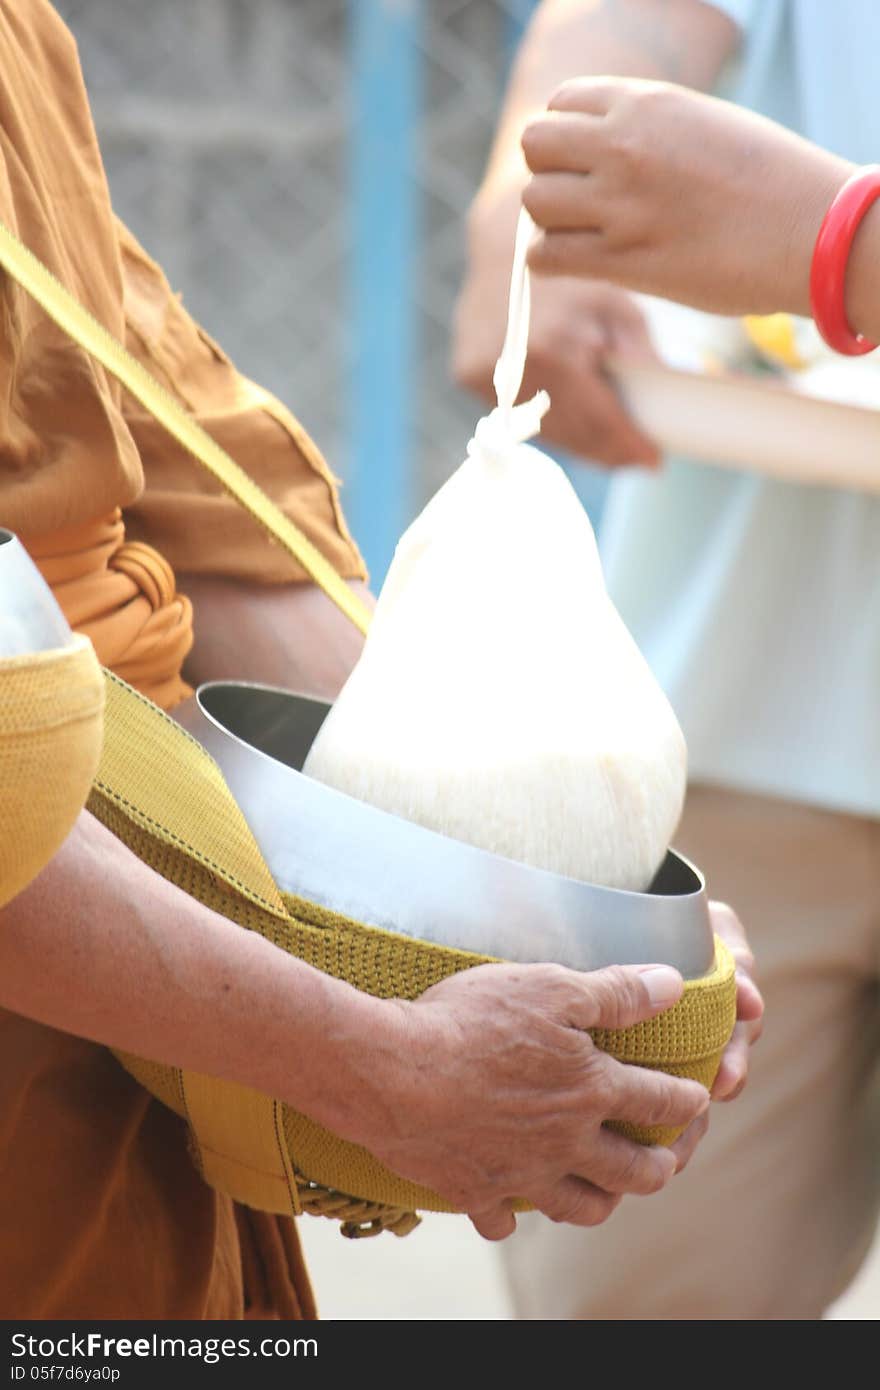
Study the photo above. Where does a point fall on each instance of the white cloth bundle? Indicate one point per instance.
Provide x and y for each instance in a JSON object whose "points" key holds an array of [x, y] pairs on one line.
{"points": [[499, 698]]}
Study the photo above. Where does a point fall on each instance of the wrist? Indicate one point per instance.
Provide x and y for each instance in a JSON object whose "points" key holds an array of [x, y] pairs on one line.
{"points": [[830, 285], [339, 1056], [828, 176]]}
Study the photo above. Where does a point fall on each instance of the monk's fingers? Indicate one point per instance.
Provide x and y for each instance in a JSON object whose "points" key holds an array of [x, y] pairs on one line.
{"points": [[619, 1165], [619, 996], [646, 1097], [685, 1145], [727, 925], [561, 142], [494, 1223], [575, 1202], [734, 1068], [749, 1005]]}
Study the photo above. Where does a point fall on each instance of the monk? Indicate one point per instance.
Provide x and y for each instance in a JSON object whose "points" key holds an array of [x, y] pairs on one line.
{"points": [[102, 1213]]}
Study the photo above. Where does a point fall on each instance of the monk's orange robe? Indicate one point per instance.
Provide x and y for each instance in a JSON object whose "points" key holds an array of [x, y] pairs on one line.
{"points": [[102, 1214]]}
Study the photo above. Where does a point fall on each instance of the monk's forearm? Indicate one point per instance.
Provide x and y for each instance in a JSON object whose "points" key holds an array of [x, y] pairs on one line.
{"points": [[682, 41], [290, 635], [443, 1090], [102, 947]]}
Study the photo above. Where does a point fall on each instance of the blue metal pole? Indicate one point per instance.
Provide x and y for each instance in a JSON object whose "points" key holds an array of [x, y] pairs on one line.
{"points": [[386, 85]]}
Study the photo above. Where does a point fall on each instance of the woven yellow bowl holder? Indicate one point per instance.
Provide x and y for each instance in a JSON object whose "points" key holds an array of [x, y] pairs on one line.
{"points": [[163, 796], [50, 742]]}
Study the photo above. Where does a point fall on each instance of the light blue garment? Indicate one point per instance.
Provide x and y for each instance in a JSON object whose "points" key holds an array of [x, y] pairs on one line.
{"points": [[757, 603]]}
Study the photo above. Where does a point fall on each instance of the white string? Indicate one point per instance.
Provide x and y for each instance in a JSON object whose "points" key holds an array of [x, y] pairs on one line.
{"points": [[510, 424]]}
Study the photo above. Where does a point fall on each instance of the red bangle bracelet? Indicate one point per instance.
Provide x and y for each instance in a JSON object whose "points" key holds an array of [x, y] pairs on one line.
{"points": [[830, 259]]}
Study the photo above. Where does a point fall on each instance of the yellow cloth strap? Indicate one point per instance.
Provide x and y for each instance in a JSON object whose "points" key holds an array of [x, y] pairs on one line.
{"points": [[70, 315], [241, 1143], [164, 796]]}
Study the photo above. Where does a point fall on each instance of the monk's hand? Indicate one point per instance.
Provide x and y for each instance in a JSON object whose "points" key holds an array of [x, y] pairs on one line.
{"points": [[734, 1067], [575, 328], [678, 194], [501, 1093]]}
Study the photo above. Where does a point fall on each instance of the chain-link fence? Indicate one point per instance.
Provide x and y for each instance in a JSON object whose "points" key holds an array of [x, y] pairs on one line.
{"points": [[229, 131]]}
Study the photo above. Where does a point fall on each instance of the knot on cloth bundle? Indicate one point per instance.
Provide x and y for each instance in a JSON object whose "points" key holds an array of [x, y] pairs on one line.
{"points": [[510, 424]]}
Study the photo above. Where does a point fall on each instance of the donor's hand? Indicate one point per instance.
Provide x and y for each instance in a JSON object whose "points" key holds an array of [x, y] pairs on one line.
{"points": [[677, 194]]}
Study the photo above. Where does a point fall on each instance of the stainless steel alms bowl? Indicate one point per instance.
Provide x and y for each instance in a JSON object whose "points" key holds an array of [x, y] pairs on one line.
{"points": [[388, 872], [30, 619], [378, 868]]}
